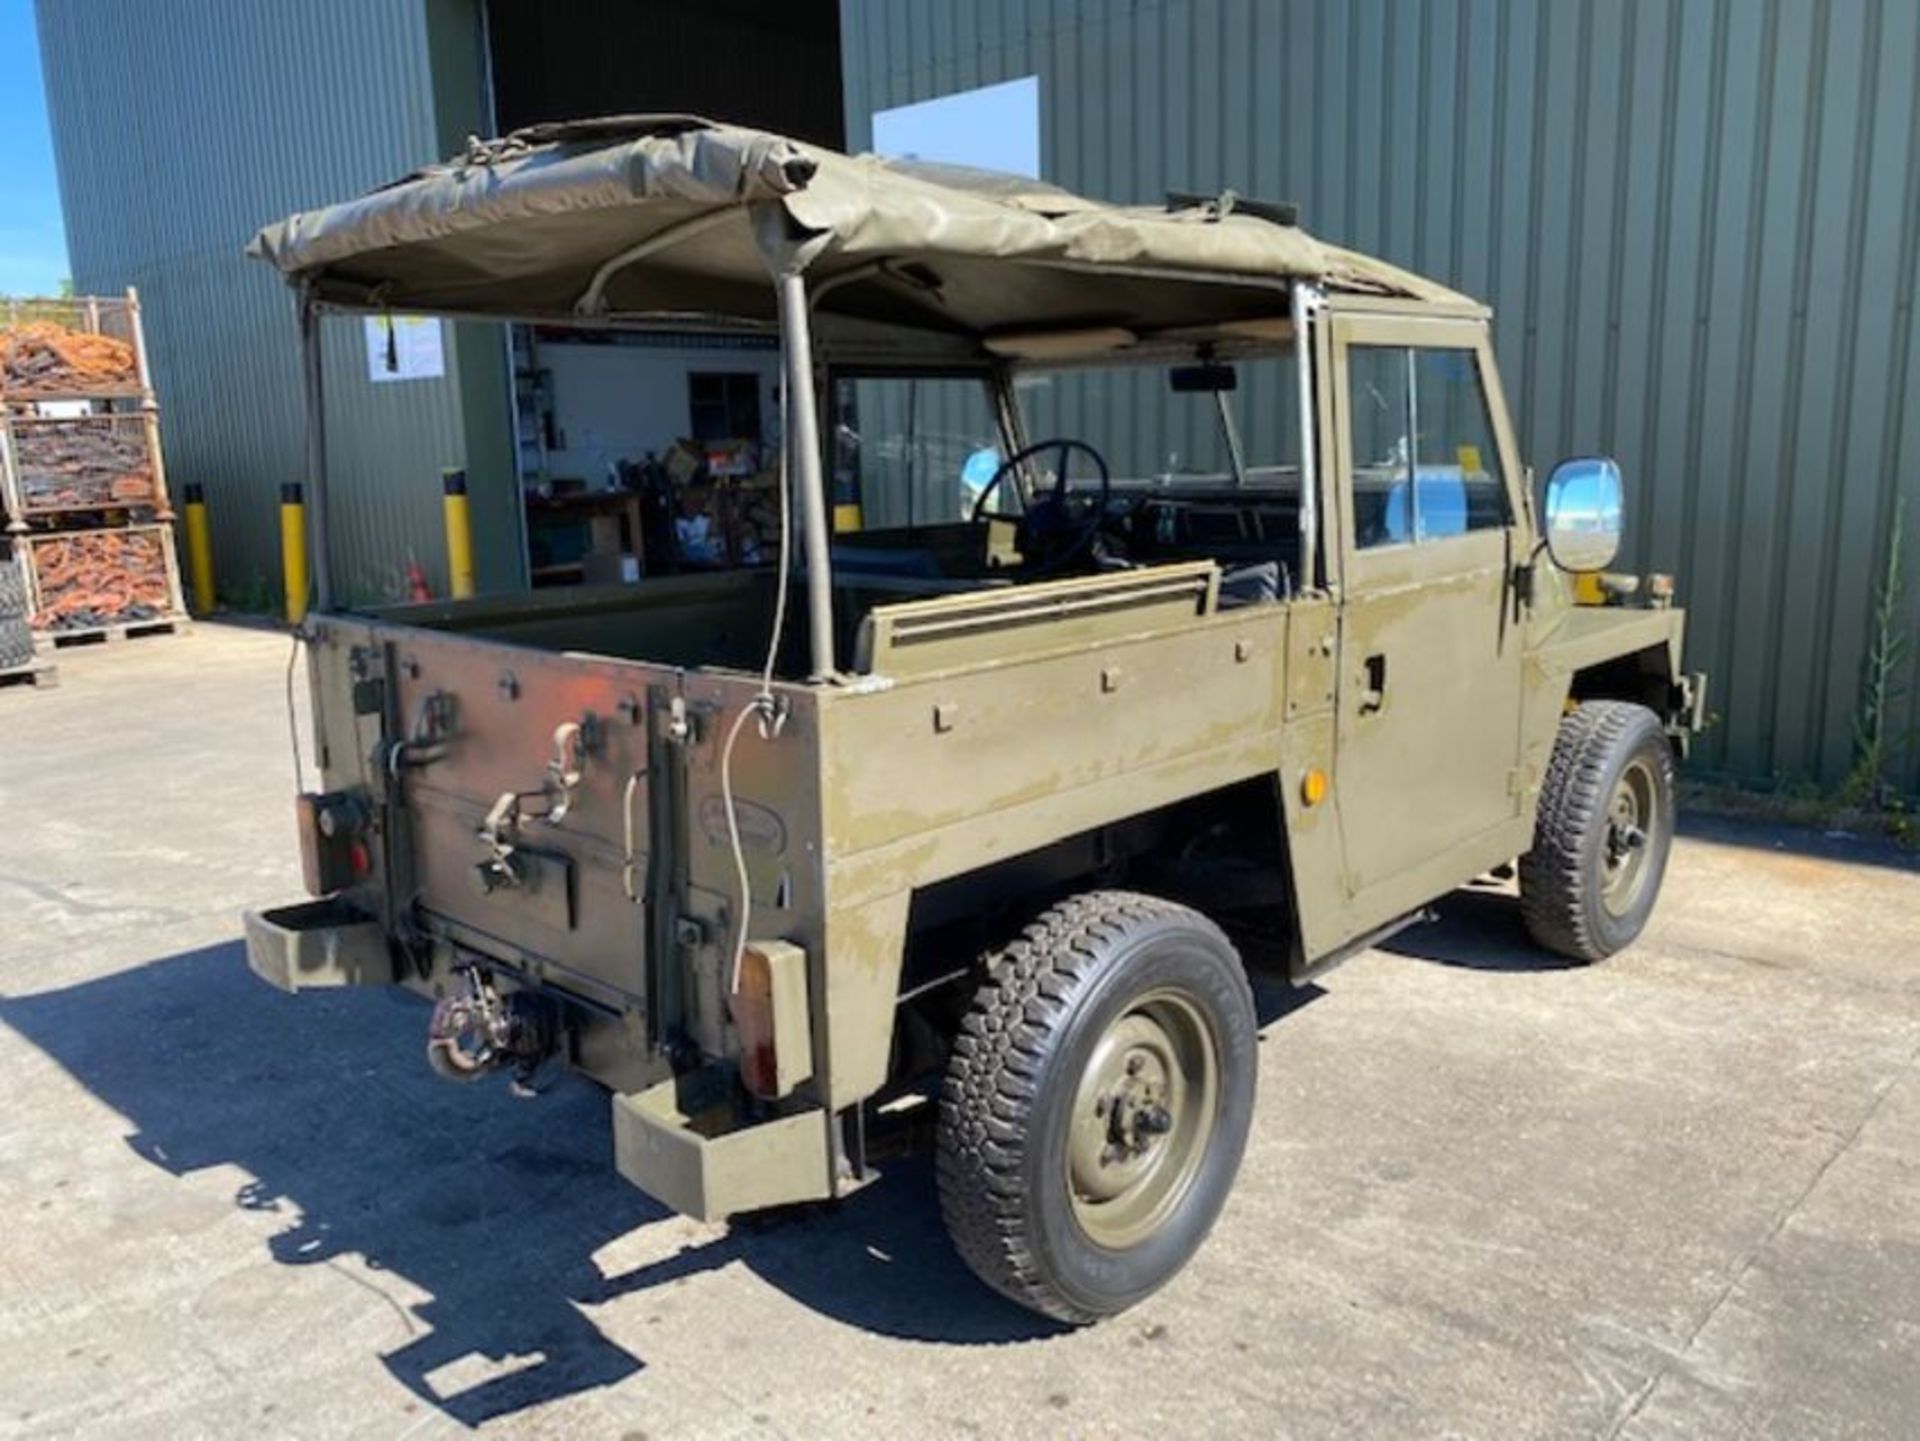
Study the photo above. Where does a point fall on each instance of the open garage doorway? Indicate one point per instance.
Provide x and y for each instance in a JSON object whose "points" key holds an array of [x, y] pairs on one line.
{"points": [[653, 454]]}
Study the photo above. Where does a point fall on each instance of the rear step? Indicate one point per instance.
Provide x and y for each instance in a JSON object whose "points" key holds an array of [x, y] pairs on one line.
{"points": [[316, 944]]}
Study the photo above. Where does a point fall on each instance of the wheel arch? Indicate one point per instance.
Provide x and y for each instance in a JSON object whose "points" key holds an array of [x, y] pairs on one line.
{"points": [[1224, 850], [1648, 677]]}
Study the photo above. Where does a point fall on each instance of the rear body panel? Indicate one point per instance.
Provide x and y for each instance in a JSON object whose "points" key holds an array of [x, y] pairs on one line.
{"points": [[581, 904]]}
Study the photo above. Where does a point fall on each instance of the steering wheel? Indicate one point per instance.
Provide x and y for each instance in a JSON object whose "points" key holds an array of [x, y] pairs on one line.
{"points": [[1055, 516]]}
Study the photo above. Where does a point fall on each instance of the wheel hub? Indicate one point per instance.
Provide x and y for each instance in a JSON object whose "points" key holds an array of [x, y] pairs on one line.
{"points": [[1142, 1115], [1136, 1111], [1630, 816]]}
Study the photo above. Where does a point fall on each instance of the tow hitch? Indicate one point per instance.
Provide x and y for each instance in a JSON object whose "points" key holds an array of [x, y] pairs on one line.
{"points": [[476, 1030]]}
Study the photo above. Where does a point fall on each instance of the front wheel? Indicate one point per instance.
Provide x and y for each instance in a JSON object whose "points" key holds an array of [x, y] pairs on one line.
{"points": [[1604, 828], [1097, 1104]]}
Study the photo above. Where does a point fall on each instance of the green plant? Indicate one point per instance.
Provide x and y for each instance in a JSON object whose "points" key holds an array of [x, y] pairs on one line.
{"points": [[253, 596], [1866, 784]]}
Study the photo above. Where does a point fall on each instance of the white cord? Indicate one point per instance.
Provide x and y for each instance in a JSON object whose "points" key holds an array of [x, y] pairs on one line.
{"points": [[733, 840], [765, 705], [293, 719]]}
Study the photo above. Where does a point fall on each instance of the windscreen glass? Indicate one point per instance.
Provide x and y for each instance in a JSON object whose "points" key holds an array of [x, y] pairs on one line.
{"points": [[1154, 434]]}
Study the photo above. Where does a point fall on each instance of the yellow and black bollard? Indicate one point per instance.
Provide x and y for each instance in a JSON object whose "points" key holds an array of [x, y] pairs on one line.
{"points": [[199, 549], [453, 485], [293, 549]]}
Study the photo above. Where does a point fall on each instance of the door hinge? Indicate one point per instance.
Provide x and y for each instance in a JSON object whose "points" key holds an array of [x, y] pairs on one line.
{"points": [[679, 726]]}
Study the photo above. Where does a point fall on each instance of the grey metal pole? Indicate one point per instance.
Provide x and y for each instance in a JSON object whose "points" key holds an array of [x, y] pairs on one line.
{"points": [[1235, 456], [1414, 527], [322, 560], [803, 469], [1309, 467]]}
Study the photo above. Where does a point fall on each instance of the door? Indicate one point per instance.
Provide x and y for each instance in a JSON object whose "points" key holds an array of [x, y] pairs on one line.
{"points": [[1428, 738]]}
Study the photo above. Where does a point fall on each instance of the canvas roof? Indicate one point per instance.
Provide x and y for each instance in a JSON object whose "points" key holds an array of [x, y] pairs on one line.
{"points": [[653, 218]]}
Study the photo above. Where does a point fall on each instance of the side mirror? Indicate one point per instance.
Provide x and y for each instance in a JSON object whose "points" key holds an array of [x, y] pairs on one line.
{"points": [[1583, 513]]}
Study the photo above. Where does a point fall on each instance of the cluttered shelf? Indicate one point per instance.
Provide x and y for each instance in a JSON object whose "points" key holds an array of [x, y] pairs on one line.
{"points": [[701, 506]]}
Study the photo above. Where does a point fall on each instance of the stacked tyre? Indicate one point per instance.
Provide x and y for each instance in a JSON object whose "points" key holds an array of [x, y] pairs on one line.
{"points": [[16, 637]]}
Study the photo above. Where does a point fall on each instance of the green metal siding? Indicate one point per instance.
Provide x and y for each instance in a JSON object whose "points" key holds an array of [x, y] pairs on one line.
{"points": [[1696, 221], [179, 129]]}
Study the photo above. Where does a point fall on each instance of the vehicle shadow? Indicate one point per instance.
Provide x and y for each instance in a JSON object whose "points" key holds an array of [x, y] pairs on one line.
{"points": [[1479, 928], [493, 1207]]}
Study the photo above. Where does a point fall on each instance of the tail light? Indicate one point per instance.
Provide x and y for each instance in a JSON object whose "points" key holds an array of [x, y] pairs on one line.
{"points": [[770, 1013], [333, 847]]}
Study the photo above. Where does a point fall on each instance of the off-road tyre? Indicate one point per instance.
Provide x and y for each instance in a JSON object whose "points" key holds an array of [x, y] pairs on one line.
{"points": [[1024, 1056], [1571, 892], [13, 591], [16, 642]]}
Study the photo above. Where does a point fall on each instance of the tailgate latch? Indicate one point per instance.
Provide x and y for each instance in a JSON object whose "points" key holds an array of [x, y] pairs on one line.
{"points": [[573, 741], [433, 728]]}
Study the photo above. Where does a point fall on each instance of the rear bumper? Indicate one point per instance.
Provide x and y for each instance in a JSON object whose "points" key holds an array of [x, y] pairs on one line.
{"points": [[312, 944], [665, 1143]]}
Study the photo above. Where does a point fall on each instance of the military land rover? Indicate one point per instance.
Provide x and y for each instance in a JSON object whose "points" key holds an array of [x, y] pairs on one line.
{"points": [[1199, 615]]}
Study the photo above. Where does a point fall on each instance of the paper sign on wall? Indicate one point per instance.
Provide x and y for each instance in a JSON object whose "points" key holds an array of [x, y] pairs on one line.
{"points": [[404, 347]]}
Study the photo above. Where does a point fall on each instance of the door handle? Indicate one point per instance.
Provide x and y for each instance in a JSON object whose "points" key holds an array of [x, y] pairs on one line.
{"points": [[1373, 695]]}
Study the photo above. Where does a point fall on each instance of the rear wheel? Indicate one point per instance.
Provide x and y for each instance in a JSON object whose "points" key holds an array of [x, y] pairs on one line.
{"points": [[1097, 1104], [1605, 826]]}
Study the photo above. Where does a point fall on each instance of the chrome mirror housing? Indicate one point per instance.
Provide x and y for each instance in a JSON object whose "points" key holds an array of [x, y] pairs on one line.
{"points": [[1583, 513]]}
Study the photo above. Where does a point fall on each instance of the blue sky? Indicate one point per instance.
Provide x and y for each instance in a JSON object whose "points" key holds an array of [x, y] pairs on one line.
{"points": [[33, 247], [996, 127]]}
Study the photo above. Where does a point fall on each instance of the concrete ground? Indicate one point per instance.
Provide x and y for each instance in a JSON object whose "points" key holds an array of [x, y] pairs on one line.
{"points": [[1487, 1195]]}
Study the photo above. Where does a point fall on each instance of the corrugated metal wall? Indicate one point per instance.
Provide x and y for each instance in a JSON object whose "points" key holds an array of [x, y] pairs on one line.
{"points": [[1696, 220], [179, 129]]}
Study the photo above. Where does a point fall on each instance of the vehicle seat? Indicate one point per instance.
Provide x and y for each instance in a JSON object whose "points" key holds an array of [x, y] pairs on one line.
{"points": [[1254, 584]]}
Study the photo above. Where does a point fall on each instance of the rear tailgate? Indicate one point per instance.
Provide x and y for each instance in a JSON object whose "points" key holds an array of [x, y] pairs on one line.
{"points": [[525, 803]]}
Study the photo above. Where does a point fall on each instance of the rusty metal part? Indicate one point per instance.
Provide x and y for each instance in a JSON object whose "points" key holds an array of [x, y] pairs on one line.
{"points": [[101, 578], [87, 462], [42, 357], [476, 1030]]}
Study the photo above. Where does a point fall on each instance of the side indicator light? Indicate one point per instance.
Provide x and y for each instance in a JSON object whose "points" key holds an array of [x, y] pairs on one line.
{"points": [[1313, 786]]}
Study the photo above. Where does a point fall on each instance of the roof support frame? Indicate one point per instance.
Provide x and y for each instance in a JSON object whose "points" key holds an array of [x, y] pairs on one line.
{"points": [[1307, 303], [804, 471], [314, 375], [593, 300]]}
